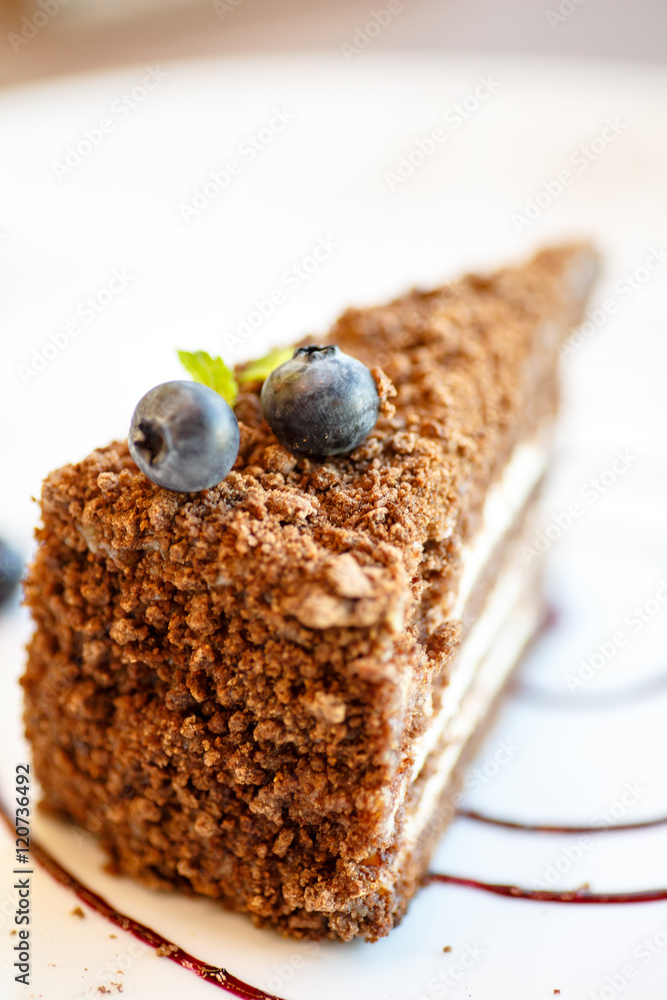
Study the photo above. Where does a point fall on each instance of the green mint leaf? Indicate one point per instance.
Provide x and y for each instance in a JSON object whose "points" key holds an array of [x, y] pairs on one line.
{"points": [[257, 371], [212, 372]]}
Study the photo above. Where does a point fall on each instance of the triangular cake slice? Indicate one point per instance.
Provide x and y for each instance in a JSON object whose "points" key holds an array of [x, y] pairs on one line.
{"points": [[267, 692]]}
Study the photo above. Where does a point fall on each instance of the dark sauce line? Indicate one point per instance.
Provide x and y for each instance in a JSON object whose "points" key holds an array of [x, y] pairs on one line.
{"points": [[550, 896], [552, 828], [167, 949]]}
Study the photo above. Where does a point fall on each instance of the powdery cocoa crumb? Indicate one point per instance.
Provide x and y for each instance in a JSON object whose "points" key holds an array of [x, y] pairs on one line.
{"points": [[279, 459], [108, 481], [386, 391], [162, 509]]}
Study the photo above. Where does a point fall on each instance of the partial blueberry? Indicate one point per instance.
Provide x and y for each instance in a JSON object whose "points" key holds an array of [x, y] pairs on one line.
{"points": [[321, 402], [11, 571], [184, 436]]}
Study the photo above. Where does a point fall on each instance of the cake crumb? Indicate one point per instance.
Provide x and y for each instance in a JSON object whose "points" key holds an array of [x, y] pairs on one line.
{"points": [[386, 391], [13, 931], [166, 949], [113, 935], [77, 912], [447, 948], [119, 987], [108, 481], [103, 989]]}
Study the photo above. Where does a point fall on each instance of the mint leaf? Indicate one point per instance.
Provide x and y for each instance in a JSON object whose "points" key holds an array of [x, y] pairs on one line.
{"points": [[212, 372], [257, 371]]}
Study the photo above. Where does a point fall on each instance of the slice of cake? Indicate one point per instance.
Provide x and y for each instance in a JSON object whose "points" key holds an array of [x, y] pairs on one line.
{"points": [[267, 692]]}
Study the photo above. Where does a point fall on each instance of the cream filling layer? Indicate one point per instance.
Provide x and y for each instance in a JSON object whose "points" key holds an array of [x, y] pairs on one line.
{"points": [[507, 645], [504, 503], [476, 648], [521, 475]]}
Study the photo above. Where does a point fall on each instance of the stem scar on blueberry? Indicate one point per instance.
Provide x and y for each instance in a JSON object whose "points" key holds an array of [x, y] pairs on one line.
{"points": [[316, 351], [321, 402], [150, 441]]}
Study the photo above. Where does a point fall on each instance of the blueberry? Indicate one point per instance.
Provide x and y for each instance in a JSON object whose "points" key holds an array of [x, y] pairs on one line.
{"points": [[184, 436], [10, 572], [321, 402]]}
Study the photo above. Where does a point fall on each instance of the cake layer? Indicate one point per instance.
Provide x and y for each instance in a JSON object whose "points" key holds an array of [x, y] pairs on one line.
{"points": [[514, 612], [444, 780], [507, 506], [228, 686], [524, 470]]}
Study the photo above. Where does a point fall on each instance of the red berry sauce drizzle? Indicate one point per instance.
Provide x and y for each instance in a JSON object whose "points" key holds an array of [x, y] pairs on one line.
{"points": [[510, 824], [548, 895], [224, 980]]}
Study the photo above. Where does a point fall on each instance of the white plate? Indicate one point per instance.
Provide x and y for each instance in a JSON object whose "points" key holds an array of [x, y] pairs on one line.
{"points": [[323, 180]]}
